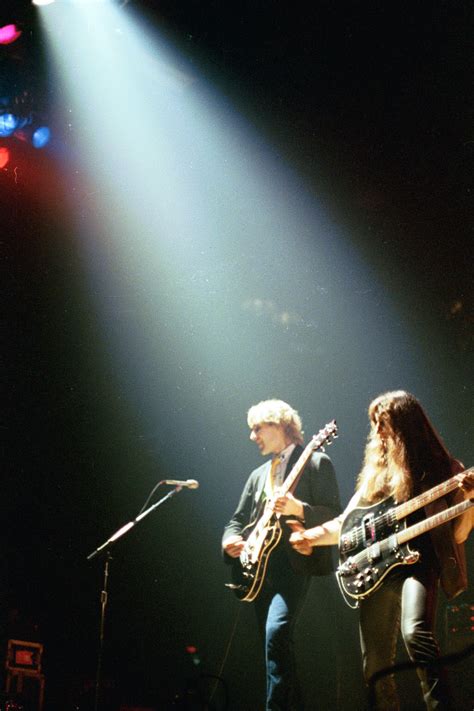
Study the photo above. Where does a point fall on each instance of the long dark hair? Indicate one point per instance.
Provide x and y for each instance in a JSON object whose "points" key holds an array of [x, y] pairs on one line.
{"points": [[404, 453]]}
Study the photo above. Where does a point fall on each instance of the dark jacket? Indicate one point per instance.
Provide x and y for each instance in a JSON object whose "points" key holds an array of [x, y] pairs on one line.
{"points": [[317, 489], [450, 554]]}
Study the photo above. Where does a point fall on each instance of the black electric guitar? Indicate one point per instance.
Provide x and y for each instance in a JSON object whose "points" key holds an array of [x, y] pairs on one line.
{"points": [[374, 539], [263, 535]]}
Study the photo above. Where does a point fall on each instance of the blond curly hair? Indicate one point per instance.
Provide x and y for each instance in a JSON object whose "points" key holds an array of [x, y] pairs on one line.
{"points": [[277, 412]]}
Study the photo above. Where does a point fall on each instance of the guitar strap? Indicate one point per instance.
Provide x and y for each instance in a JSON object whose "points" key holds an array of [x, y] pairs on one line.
{"points": [[271, 479]]}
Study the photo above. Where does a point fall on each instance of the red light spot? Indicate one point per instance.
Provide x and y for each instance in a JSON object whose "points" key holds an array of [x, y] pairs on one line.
{"points": [[4, 156], [9, 34], [24, 657], [190, 649]]}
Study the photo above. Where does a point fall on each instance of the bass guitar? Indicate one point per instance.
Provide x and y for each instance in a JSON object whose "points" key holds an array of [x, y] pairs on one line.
{"points": [[374, 539], [263, 535]]}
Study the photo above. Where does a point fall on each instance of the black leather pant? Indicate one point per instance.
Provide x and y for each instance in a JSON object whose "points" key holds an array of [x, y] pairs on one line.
{"points": [[406, 603]]}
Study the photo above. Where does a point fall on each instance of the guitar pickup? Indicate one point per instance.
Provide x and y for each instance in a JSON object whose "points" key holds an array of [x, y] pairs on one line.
{"points": [[373, 553], [368, 528]]}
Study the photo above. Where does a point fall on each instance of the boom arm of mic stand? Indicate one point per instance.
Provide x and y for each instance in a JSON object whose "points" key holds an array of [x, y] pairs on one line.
{"points": [[124, 529]]}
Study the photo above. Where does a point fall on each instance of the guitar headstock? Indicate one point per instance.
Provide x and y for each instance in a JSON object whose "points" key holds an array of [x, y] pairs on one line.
{"points": [[325, 436]]}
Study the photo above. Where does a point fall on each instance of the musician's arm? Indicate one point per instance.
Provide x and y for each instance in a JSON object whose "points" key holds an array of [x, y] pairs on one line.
{"points": [[463, 525], [232, 541], [327, 534], [324, 534], [323, 501]]}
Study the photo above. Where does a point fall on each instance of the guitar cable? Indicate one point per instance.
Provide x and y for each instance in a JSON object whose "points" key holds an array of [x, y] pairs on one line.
{"points": [[226, 653]]}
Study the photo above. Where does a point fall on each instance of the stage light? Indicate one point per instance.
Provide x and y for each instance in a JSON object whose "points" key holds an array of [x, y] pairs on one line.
{"points": [[4, 156], [38, 137], [41, 137], [39, 3], [9, 33], [8, 124]]}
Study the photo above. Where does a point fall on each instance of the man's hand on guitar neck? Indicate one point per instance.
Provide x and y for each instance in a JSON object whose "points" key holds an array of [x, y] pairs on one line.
{"points": [[466, 482], [233, 546], [287, 505]]}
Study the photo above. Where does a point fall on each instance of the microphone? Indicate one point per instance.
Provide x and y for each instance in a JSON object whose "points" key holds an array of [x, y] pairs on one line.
{"points": [[189, 483]]}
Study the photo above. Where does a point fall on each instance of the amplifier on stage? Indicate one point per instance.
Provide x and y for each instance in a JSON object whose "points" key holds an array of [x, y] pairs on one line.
{"points": [[460, 618], [23, 667], [459, 628], [24, 656], [459, 625]]}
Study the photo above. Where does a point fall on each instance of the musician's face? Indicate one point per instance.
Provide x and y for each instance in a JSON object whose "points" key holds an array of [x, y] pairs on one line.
{"points": [[269, 438]]}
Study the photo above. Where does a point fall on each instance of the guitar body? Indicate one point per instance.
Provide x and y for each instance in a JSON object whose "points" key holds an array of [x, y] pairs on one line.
{"points": [[369, 548], [374, 539], [248, 571]]}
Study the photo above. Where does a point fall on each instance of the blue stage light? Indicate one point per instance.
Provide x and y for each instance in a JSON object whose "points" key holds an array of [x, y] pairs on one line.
{"points": [[41, 137], [8, 124]]}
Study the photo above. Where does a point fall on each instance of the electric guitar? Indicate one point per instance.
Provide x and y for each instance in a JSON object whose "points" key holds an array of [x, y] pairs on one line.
{"points": [[263, 535], [374, 539]]}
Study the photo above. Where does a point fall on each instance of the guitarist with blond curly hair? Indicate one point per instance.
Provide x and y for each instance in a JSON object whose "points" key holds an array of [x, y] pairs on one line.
{"points": [[297, 483]]}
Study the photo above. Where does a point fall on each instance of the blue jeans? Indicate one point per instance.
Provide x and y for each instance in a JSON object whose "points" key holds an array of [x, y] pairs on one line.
{"points": [[277, 608]]}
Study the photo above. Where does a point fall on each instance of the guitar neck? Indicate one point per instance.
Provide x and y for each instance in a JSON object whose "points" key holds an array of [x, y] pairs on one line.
{"points": [[290, 481], [293, 477], [427, 524], [427, 497]]}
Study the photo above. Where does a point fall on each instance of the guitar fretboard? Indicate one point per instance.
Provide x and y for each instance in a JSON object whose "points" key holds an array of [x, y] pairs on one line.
{"points": [[316, 443], [427, 497], [428, 523]]}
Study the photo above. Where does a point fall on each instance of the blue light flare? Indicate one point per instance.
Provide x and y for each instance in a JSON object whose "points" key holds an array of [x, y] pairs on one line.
{"points": [[8, 125], [41, 137]]}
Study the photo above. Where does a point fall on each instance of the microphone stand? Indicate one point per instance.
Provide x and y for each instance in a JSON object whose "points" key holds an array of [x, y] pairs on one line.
{"points": [[104, 594]]}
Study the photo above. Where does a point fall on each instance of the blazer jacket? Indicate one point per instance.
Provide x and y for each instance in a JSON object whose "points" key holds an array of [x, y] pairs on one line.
{"points": [[317, 489]]}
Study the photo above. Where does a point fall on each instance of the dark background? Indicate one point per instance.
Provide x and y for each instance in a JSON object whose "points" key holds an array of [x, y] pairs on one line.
{"points": [[372, 106]]}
